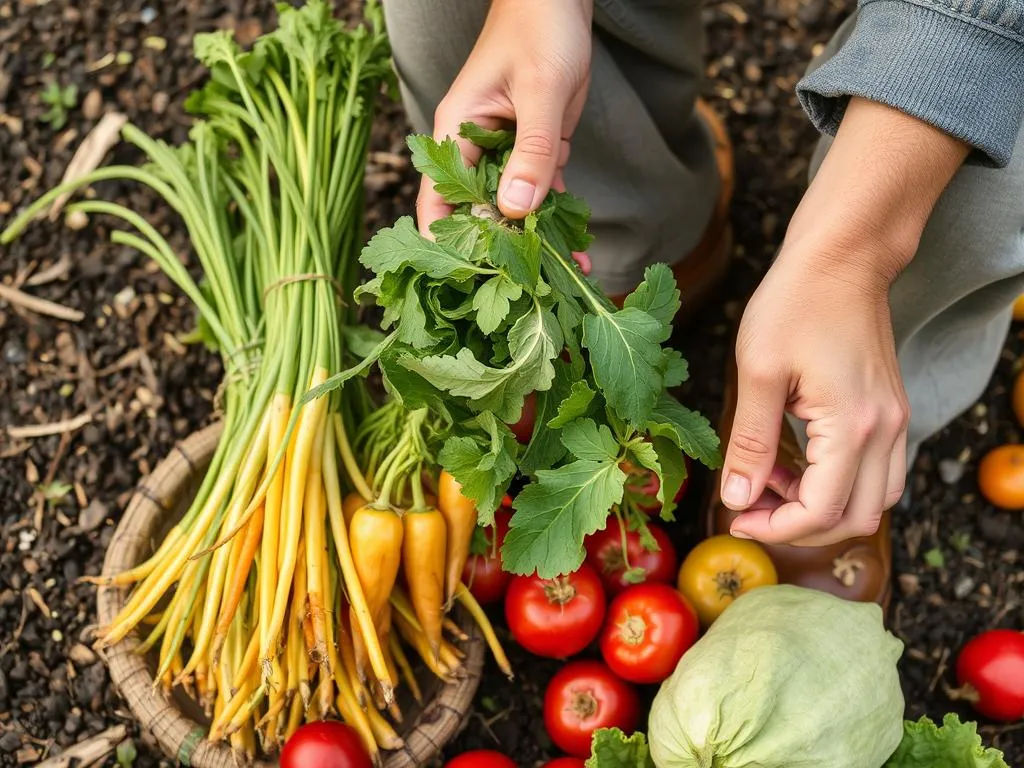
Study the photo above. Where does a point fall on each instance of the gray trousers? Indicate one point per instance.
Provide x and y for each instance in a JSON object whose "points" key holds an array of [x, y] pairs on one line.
{"points": [[643, 161]]}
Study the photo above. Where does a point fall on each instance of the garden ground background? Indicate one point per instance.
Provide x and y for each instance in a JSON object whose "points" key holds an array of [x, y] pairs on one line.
{"points": [[957, 559]]}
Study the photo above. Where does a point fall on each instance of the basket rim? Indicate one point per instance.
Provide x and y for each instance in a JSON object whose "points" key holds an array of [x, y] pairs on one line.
{"points": [[182, 738]]}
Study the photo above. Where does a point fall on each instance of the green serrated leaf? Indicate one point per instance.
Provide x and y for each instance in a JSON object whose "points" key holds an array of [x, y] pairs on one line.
{"points": [[491, 302], [611, 748], [575, 405], [672, 474], [554, 514], [562, 221], [463, 234], [483, 467], [395, 248], [676, 369], [453, 179], [584, 439], [545, 448], [625, 353], [534, 341], [412, 327], [952, 745], [498, 140], [687, 429], [517, 253], [657, 295]]}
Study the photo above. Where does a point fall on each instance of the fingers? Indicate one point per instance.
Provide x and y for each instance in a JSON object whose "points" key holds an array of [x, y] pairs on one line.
{"points": [[846, 488], [824, 491], [535, 156], [754, 439], [897, 479]]}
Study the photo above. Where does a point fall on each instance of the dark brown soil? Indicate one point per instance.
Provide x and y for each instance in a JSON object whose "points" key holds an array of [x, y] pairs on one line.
{"points": [[124, 365]]}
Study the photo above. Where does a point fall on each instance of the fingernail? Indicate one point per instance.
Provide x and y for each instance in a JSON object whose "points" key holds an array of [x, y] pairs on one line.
{"points": [[740, 535], [736, 491], [519, 195]]}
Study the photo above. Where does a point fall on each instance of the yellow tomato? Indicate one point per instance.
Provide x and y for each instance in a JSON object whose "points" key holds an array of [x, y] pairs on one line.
{"points": [[1018, 308], [720, 569]]}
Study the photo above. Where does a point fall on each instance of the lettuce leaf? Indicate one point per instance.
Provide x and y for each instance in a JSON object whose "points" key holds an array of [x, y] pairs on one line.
{"points": [[953, 745], [611, 748]]}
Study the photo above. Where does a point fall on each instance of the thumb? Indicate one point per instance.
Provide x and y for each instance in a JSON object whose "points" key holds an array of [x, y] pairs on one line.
{"points": [[754, 438], [535, 158]]}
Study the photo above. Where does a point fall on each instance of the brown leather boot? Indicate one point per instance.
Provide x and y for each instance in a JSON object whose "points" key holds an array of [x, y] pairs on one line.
{"points": [[702, 269], [859, 569]]}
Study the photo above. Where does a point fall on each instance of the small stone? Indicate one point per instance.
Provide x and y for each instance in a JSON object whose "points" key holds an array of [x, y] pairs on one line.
{"points": [[92, 517], [124, 297], [160, 102], [950, 470], [14, 352], [147, 15], [76, 220], [74, 722], [92, 105], [82, 655], [910, 584], [963, 587]]}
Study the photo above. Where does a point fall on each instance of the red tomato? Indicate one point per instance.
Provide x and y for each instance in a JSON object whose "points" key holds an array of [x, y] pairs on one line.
{"points": [[557, 617], [566, 762], [481, 758], [523, 429], [992, 664], [483, 573], [325, 744], [604, 554], [649, 628], [582, 697]]}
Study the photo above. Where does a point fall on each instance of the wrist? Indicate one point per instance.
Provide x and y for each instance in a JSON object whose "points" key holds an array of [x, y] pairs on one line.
{"points": [[874, 193]]}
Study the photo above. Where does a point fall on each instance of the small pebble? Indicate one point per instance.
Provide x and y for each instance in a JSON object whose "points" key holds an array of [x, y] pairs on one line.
{"points": [[14, 352], [964, 586], [950, 470], [92, 105], [160, 102], [76, 220], [147, 15], [82, 655]]}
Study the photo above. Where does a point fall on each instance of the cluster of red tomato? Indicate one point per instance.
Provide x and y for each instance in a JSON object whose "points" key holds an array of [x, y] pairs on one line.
{"points": [[642, 629]]}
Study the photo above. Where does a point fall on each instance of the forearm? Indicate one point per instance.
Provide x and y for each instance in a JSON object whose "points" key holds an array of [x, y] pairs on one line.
{"points": [[871, 198]]}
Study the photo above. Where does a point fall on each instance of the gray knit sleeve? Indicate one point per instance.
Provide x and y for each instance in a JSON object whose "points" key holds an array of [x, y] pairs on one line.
{"points": [[957, 64]]}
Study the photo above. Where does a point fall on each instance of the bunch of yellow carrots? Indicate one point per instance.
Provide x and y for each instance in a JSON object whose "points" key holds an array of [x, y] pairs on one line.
{"points": [[308, 565]]}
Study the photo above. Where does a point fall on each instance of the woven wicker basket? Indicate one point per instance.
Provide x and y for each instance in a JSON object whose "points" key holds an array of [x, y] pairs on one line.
{"points": [[176, 723]]}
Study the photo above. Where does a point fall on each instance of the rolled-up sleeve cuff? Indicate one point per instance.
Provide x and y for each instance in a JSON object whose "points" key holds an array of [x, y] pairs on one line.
{"points": [[962, 75]]}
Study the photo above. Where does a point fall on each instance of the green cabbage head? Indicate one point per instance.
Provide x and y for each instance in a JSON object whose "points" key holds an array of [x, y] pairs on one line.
{"points": [[786, 677]]}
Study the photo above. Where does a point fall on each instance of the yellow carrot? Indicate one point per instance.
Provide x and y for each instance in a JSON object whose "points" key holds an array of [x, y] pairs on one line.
{"points": [[461, 517]]}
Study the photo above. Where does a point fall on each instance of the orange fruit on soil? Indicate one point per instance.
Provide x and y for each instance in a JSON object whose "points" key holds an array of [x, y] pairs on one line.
{"points": [[1001, 476], [1018, 308]]}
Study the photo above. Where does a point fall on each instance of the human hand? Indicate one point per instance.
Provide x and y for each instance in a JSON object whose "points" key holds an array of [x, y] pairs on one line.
{"points": [[817, 342], [531, 67], [816, 338]]}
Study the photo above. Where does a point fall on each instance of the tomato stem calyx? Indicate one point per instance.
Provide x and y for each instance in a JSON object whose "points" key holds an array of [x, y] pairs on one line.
{"points": [[729, 583], [633, 630], [584, 705], [560, 590]]}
